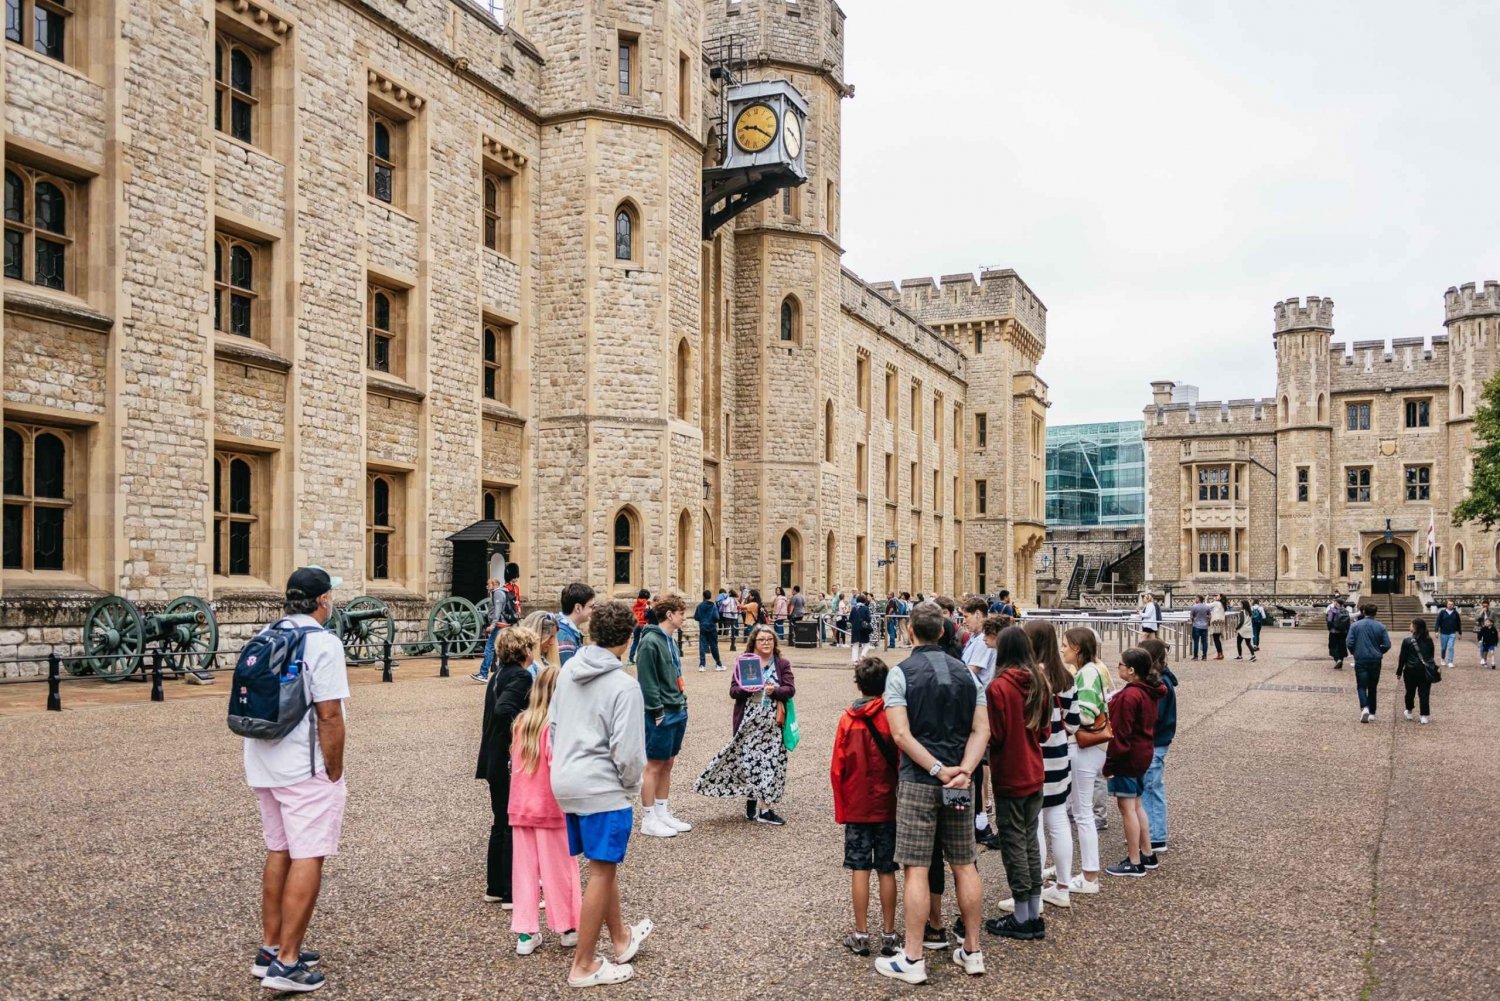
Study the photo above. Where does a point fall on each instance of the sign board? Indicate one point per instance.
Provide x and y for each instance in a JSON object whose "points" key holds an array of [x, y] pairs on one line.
{"points": [[1356, 568], [1411, 576], [1419, 567]]}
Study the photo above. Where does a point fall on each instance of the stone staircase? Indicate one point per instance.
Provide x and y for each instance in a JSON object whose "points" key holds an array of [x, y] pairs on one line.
{"points": [[1397, 610]]}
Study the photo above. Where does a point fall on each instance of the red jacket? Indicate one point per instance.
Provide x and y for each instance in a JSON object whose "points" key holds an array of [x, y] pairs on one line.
{"points": [[1015, 750], [639, 610], [864, 779], [1132, 717]]}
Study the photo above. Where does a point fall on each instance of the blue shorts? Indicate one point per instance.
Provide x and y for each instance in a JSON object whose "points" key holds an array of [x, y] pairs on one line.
{"points": [[664, 741], [600, 837], [1126, 787]]}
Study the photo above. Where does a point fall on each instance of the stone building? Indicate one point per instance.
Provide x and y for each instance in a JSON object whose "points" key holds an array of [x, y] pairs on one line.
{"points": [[1331, 484], [328, 280]]}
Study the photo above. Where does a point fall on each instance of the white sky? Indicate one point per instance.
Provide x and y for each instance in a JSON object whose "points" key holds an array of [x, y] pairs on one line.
{"points": [[1162, 171]]}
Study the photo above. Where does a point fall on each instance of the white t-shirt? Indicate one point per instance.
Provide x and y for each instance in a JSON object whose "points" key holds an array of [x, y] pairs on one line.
{"points": [[284, 762], [980, 659]]}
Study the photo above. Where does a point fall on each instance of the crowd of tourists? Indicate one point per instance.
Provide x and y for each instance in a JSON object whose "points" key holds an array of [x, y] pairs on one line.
{"points": [[1359, 635]]}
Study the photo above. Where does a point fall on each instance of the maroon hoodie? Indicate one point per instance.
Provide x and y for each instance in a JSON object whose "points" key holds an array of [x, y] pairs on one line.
{"points": [[1132, 717], [1015, 751]]}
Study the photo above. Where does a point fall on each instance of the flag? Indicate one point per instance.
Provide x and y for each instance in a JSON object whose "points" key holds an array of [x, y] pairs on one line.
{"points": [[1431, 543]]}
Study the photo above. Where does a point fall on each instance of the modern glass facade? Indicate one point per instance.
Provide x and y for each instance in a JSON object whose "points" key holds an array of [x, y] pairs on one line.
{"points": [[1096, 474]]}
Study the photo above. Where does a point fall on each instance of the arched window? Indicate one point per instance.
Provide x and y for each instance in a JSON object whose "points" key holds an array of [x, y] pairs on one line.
{"points": [[1286, 560], [1322, 408], [38, 228], [385, 319], [235, 514], [1458, 558], [234, 88], [1458, 400], [829, 444], [384, 143], [380, 530], [791, 320], [1322, 560], [234, 286], [684, 547], [1497, 545], [684, 372], [498, 353], [38, 495], [791, 559], [1285, 410], [830, 562], [627, 548], [625, 236]]}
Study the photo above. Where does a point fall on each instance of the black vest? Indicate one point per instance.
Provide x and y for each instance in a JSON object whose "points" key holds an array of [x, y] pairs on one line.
{"points": [[940, 698]]}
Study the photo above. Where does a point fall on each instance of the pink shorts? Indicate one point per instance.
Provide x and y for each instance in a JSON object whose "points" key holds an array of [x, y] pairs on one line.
{"points": [[303, 820]]}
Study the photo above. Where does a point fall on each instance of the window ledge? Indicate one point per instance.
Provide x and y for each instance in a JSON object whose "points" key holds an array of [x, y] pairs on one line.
{"points": [[245, 589], [497, 411], [58, 307], [389, 385], [375, 203], [49, 586], [389, 592], [248, 351], [500, 255]]}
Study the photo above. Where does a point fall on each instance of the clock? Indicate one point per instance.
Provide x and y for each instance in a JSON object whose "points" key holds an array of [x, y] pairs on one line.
{"points": [[755, 128], [792, 137]]}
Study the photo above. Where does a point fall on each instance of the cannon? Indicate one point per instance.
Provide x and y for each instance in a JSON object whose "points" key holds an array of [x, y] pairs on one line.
{"points": [[364, 626], [458, 622], [117, 638]]}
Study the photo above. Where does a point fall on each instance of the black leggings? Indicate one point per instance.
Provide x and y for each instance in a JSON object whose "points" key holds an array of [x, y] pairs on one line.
{"points": [[499, 858], [1240, 643], [1417, 686], [1218, 644]]}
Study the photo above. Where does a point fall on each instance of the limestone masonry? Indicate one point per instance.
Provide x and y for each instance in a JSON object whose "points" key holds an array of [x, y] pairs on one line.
{"points": [[326, 281], [1330, 485]]}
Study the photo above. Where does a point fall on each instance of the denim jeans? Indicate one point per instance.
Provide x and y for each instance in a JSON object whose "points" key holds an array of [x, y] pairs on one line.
{"points": [[1200, 638], [489, 655], [1366, 680], [708, 646], [890, 633], [1154, 797], [1449, 641]]}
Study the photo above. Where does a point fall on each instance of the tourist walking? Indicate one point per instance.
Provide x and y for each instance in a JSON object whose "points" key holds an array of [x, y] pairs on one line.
{"points": [[659, 671], [1338, 620], [1415, 664], [1488, 637], [577, 605], [505, 698], [1053, 828], [938, 719], [1257, 621], [1449, 626], [639, 610], [1368, 643], [707, 617], [863, 773], [1154, 791], [1150, 614], [1132, 715], [753, 764], [491, 629], [1020, 715], [293, 670], [1245, 635], [798, 607], [750, 611], [542, 863], [729, 614], [860, 629], [1217, 625], [598, 760], [780, 606], [1198, 617], [1086, 750]]}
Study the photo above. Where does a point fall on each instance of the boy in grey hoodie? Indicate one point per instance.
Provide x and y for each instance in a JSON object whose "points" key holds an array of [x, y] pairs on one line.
{"points": [[598, 758]]}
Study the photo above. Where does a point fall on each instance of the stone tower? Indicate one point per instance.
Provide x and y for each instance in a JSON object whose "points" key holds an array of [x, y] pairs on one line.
{"points": [[1303, 445], [618, 292], [1471, 317]]}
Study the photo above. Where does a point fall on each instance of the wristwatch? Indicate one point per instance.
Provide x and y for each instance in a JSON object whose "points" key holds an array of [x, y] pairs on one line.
{"points": [[937, 766]]}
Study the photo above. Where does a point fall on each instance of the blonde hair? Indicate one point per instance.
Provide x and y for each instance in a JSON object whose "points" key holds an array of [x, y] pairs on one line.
{"points": [[545, 627], [528, 727], [514, 646]]}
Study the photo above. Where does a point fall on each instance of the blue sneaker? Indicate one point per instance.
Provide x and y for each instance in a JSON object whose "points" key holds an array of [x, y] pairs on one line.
{"points": [[300, 978], [264, 958]]}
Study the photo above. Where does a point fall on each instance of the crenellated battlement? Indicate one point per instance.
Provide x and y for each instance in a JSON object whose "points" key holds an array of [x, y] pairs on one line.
{"points": [[1406, 361], [1292, 314], [1468, 301], [997, 294], [874, 305], [1211, 417]]}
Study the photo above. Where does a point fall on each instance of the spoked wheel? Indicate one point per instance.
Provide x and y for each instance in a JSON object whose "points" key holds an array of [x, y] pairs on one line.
{"points": [[457, 621], [114, 637], [366, 625], [190, 646]]}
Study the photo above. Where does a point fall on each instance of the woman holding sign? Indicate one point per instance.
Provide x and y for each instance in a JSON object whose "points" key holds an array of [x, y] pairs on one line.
{"points": [[753, 764]]}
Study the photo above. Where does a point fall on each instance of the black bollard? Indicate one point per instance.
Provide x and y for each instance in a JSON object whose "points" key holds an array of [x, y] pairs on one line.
{"points": [[54, 683], [385, 674], [443, 652], [157, 695]]}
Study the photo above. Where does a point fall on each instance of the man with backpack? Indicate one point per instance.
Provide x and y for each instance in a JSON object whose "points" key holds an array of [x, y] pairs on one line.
{"points": [[1337, 617], [287, 701]]}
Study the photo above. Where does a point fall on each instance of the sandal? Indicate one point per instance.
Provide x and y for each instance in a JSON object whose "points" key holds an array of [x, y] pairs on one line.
{"points": [[607, 973], [638, 935]]}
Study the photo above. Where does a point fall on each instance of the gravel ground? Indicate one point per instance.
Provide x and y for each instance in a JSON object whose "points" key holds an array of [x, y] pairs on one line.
{"points": [[1311, 857]]}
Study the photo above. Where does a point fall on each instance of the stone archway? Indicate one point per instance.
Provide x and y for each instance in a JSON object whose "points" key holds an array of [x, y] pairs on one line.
{"points": [[1387, 568]]}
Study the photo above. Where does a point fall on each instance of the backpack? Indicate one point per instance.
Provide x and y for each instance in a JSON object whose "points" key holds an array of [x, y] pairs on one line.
{"points": [[1341, 621], [268, 697]]}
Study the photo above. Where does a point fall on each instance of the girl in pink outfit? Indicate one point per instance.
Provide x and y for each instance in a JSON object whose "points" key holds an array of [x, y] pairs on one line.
{"points": [[537, 827]]}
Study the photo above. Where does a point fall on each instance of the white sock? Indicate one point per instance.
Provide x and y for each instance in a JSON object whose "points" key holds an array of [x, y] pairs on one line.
{"points": [[981, 821], [661, 809]]}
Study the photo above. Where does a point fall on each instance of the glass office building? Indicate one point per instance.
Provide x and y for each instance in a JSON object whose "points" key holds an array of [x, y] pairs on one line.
{"points": [[1096, 475]]}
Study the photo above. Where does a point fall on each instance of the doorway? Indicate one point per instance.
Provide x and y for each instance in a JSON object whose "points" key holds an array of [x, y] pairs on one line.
{"points": [[1387, 569]]}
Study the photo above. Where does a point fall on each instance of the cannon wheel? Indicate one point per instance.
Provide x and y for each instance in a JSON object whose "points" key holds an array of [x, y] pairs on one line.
{"points": [[114, 635], [483, 608], [456, 620], [190, 647], [364, 638]]}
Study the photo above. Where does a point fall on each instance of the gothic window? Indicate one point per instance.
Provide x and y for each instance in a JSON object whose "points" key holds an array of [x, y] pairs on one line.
{"points": [[981, 497], [41, 25], [1213, 483], [497, 503], [39, 493], [498, 206], [38, 227], [684, 374], [1213, 551], [385, 139], [1418, 483], [629, 69], [498, 355], [383, 506], [790, 562], [1357, 416], [1418, 413], [791, 320], [829, 445], [1357, 485], [981, 430], [236, 68], [627, 548], [236, 515], [1322, 560], [1302, 483], [1458, 558], [625, 233], [385, 317], [234, 285]]}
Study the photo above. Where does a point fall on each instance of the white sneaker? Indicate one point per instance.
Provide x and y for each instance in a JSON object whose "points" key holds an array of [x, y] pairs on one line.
{"points": [[719, 668], [526, 946], [972, 962], [568, 939], [1050, 872], [1008, 905], [898, 967], [1080, 885], [1406, 713], [1372, 718], [701, 669], [677, 824], [1056, 895], [1425, 720], [654, 827], [1364, 715]]}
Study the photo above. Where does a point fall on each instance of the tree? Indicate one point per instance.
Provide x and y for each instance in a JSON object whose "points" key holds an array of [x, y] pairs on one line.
{"points": [[1483, 501]]}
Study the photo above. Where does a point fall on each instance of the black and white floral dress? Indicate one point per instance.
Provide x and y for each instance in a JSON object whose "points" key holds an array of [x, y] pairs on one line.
{"points": [[753, 764]]}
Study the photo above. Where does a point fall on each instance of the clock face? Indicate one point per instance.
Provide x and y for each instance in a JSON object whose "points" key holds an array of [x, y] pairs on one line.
{"points": [[755, 128], [792, 136]]}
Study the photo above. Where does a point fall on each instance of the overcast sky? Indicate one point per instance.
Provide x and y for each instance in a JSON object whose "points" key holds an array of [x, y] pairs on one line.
{"points": [[1161, 172]]}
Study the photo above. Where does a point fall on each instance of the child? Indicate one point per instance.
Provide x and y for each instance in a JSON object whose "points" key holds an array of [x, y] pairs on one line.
{"points": [[1132, 715], [1020, 711], [1154, 792], [1488, 638], [538, 830], [864, 801], [504, 700], [598, 759]]}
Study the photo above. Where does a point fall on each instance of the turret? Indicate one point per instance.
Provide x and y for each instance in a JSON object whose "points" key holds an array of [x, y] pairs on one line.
{"points": [[1302, 332], [1466, 302], [1472, 318]]}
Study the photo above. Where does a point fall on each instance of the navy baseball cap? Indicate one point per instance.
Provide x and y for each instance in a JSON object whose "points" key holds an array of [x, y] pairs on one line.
{"points": [[312, 581]]}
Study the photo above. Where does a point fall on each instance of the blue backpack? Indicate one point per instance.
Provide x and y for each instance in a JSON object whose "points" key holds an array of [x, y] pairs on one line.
{"points": [[268, 698]]}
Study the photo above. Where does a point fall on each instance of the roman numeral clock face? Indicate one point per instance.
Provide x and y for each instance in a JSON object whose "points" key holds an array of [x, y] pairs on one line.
{"points": [[755, 128]]}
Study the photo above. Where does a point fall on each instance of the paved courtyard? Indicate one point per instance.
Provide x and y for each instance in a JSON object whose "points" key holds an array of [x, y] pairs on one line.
{"points": [[1311, 856]]}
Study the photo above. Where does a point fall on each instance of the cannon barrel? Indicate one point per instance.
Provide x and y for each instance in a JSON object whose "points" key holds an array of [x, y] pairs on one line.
{"points": [[162, 623], [363, 614]]}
